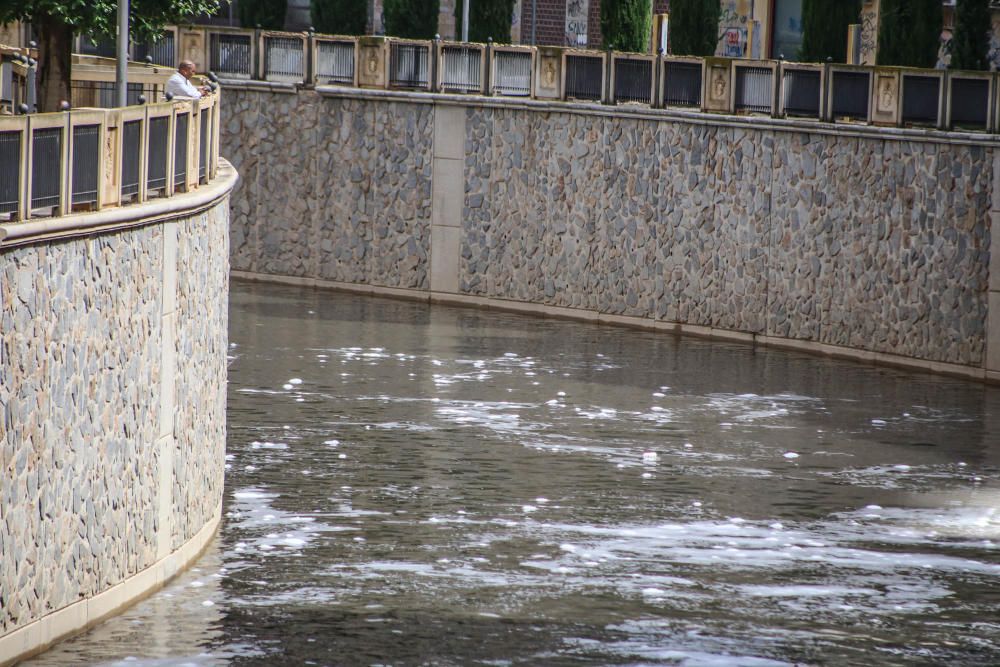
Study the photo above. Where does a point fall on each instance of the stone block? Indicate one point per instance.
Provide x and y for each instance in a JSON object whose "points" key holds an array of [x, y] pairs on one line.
{"points": [[445, 243], [995, 251], [449, 132], [448, 192]]}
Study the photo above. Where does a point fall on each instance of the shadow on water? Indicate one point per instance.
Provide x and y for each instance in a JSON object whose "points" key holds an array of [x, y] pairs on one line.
{"points": [[427, 485]]}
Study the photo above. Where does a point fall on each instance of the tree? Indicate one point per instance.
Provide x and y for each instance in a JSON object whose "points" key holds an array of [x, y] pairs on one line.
{"points": [[268, 14], [339, 17], [56, 21], [694, 27], [824, 29], [487, 18], [909, 33], [970, 44], [412, 19], [626, 25]]}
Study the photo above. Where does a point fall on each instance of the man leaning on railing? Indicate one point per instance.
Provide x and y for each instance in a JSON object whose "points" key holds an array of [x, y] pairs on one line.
{"points": [[179, 84]]}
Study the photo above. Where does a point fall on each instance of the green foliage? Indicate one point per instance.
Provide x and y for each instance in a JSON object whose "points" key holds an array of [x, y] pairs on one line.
{"points": [[626, 25], [98, 18], [268, 14], [339, 17], [487, 18], [909, 32], [824, 29], [413, 19], [970, 45], [694, 27]]}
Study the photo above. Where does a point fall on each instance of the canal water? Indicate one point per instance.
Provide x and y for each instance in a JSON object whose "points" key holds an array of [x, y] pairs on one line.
{"points": [[416, 485]]}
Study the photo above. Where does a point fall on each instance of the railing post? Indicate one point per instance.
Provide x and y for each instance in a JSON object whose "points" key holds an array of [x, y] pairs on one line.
{"points": [[607, 93], [435, 64], [24, 186], [257, 66], [487, 68], [309, 64], [66, 166]]}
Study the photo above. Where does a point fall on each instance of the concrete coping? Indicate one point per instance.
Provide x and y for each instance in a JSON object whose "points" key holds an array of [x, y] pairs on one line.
{"points": [[113, 219], [924, 135]]}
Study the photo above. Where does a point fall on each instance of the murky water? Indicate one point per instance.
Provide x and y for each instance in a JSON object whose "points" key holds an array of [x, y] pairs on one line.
{"points": [[412, 485]]}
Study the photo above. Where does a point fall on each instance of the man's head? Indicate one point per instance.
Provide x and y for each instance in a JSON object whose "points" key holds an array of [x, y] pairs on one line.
{"points": [[186, 68]]}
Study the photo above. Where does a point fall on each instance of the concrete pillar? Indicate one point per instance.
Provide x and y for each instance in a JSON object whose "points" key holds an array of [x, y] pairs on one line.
{"points": [[448, 196], [993, 305]]}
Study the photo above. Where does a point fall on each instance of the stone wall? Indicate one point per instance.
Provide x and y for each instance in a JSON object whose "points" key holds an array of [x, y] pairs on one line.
{"points": [[844, 238], [112, 401]]}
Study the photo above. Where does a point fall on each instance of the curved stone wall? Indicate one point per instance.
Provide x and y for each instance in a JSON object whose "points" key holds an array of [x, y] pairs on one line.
{"points": [[872, 243], [112, 407]]}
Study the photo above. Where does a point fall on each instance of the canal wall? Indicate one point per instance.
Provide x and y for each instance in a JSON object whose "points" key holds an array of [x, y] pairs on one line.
{"points": [[871, 243], [112, 407]]}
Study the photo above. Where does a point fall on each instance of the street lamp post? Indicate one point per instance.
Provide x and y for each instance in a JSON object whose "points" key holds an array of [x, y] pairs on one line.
{"points": [[465, 20], [121, 64]]}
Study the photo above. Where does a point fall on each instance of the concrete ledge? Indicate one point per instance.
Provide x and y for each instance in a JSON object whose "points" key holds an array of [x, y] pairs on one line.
{"points": [[77, 617], [809, 347], [151, 212]]}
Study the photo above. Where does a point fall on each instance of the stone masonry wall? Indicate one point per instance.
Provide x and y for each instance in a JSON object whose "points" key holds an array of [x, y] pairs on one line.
{"points": [[862, 239], [81, 369]]}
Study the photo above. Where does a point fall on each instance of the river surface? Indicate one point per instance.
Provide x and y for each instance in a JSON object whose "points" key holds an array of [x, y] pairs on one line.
{"points": [[415, 485]]}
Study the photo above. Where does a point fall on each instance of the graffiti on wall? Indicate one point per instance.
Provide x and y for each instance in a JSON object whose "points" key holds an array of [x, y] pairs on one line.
{"points": [[733, 21], [576, 22]]}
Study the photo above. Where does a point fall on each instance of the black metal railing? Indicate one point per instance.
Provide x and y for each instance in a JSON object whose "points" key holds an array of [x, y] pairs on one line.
{"points": [[681, 84], [86, 147], [800, 91], [204, 144], [584, 77], [10, 175], [160, 52], [102, 94], [131, 158], [231, 55], [180, 149], [335, 62], [512, 73], [970, 103], [634, 80], [461, 69], [754, 89], [46, 167], [849, 93], [408, 65], [156, 164], [284, 58], [921, 99]]}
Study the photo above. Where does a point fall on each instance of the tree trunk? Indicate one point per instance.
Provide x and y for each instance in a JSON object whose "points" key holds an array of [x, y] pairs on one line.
{"points": [[55, 59]]}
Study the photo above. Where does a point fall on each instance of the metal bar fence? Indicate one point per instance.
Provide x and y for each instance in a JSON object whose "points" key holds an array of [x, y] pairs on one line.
{"points": [[10, 174], [408, 65], [231, 55], [86, 146], [921, 99], [335, 62], [633, 80], [512, 73], [584, 77], [180, 149], [156, 163], [849, 95], [284, 59], [801, 92], [46, 167], [131, 159], [160, 52], [101, 94], [754, 89], [970, 103], [682, 84], [204, 141], [462, 69]]}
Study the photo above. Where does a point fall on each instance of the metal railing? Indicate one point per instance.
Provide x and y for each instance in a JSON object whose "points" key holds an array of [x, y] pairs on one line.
{"points": [[633, 79], [583, 76], [89, 159], [284, 57], [409, 65], [231, 54], [802, 92], [511, 73], [681, 83], [754, 88], [969, 98], [462, 68], [335, 61], [921, 99], [159, 52], [850, 94]]}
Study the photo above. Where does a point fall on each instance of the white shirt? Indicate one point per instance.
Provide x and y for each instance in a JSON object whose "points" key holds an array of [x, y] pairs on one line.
{"points": [[178, 86]]}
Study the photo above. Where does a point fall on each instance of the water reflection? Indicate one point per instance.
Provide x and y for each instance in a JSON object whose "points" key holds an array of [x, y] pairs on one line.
{"points": [[415, 485]]}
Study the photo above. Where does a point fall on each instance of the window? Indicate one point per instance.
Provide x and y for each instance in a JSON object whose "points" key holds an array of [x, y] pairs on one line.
{"points": [[786, 29]]}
